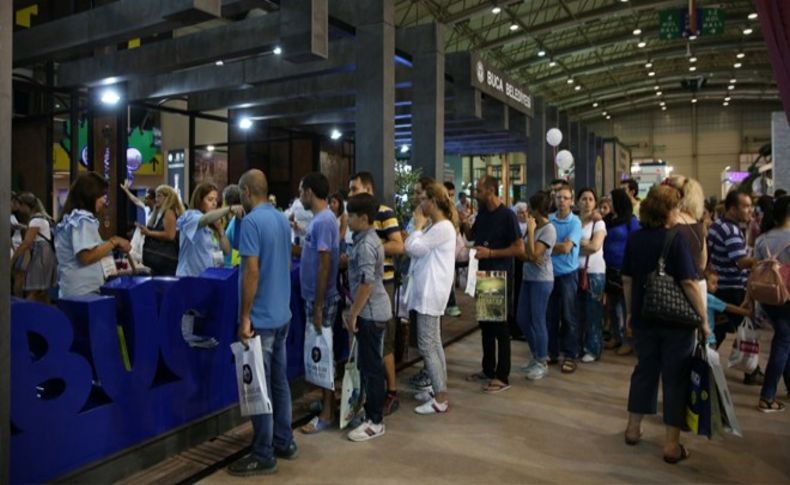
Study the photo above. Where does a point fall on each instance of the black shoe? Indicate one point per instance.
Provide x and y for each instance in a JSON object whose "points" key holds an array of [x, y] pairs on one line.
{"points": [[756, 378], [251, 465], [289, 453]]}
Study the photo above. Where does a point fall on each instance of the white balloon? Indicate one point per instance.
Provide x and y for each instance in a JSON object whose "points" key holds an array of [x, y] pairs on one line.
{"points": [[564, 159], [554, 137]]}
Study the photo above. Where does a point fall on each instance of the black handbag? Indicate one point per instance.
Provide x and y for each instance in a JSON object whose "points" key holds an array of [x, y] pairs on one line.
{"points": [[665, 302]]}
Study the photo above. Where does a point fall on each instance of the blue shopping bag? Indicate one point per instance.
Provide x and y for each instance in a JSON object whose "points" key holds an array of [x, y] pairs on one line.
{"points": [[699, 411]]}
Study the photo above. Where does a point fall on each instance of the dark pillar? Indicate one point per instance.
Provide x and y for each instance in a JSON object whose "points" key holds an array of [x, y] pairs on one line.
{"points": [[428, 100], [375, 101], [191, 159], [552, 121], [536, 149], [573, 146], [49, 109], [6, 49], [583, 163], [74, 153]]}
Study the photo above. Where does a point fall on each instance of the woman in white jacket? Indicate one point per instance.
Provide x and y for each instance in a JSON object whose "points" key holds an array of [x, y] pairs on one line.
{"points": [[431, 248]]}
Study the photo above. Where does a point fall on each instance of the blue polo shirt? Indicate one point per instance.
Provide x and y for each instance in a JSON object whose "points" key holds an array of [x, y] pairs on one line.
{"points": [[570, 227], [265, 233]]}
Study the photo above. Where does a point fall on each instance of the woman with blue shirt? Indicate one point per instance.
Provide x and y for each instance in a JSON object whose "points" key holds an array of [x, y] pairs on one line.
{"points": [[78, 244], [203, 243], [619, 226]]}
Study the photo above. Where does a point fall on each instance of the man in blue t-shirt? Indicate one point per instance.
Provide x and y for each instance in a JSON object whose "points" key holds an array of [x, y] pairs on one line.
{"points": [[565, 260], [318, 274], [264, 242]]}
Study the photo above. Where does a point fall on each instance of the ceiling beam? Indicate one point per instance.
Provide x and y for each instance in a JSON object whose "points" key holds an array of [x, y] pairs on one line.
{"points": [[237, 39], [108, 24], [641, 57]]}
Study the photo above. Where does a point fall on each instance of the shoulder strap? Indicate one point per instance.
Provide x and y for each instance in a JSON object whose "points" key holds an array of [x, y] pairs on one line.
{"points": [[50, 228], [668, 239]]}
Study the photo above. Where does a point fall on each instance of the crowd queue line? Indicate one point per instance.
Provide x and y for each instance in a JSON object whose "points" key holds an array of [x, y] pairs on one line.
{"points": [[576, 269]]}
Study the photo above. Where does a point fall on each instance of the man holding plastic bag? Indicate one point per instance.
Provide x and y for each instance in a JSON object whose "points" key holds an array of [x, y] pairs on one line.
{"points": [[317, 276], [264, 242]]}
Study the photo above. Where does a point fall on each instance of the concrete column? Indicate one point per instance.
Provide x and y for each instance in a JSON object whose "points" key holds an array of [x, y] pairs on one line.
{"points": [[428, 100], [6, 50], [375, 102], [584, 166], [780, 149], [536, 149]]}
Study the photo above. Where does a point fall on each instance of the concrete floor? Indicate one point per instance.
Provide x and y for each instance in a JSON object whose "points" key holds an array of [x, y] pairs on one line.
{"points": [[563, 429]]}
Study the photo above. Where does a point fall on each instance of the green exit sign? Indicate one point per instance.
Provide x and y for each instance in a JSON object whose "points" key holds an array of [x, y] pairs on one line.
{"points": [[674, 23]]}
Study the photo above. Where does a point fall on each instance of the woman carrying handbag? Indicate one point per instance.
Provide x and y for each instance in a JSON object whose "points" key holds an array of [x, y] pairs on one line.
{"points": [[665, 312]]}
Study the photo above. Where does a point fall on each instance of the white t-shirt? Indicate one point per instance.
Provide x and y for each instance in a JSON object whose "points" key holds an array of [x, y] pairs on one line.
{"points": [[44, 229], [597, 264], [16, 237], [432, 254]]}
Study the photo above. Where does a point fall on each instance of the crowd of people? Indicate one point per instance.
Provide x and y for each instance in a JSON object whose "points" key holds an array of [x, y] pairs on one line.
{"points": [[577, 265]]}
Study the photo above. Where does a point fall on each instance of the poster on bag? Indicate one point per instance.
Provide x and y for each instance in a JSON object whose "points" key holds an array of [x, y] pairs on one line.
{"points": [[491, 296], [319, 361]]}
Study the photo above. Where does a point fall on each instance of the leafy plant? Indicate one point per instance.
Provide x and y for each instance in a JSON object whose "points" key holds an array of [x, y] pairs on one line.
{"points": [[405, 178]]}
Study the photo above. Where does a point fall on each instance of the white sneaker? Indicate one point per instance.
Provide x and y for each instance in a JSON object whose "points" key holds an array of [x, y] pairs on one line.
{"points": [[366, 431], [538, 372], [432, 407], [588, 357], [424, 396]]}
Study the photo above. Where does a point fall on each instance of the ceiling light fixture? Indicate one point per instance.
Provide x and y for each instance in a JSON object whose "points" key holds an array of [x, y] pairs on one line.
{"points": [[662, 103], [693, 68], [278, 50], [245, 123], [727, 99], [641, 44], [595, 105], [336, 134], [210, 148], [740, 55], [541, 53], [404, 148], [659, 93], [733, 81], [692, 37], [656, 87], [731, 87], [570, 80], [552, 63], [693, 100], [219, 63], [496, 10], [752, 16], [637, 31], [648, 65], [578, 88], [737, 65], [608, 117], [692, 59], [747, 31], [513, 27], [663, 108], [110, 97], [604, 113], [651, 73], [725, 103]]}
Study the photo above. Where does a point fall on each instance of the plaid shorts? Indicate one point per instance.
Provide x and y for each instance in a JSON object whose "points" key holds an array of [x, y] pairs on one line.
{"points": [[330, 312]]}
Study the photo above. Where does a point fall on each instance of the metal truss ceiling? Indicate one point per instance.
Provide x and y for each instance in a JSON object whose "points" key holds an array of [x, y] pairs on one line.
{"points": [[592, 43]]}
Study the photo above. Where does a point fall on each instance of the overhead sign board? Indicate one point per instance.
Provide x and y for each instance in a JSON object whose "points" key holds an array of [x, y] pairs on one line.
{"points": [[675, 23], [498, 85]]}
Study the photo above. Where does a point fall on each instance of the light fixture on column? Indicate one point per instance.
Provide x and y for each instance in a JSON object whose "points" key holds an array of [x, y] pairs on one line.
{"points": [[210, 148], [336, 134], [110, 96], [404, 148]]}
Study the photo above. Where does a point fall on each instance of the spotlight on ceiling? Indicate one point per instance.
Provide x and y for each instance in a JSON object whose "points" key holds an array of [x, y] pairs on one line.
{"points": [[693, 68], [570, 80], [608, 117], [336, 134], [731, 87], [658, 93], [693, 100], [692, 59], [663, 108], [648, 65], [733, 81], [404, 148], [210, 148], [514, 27], [219, 63], [110, 97], [740, 55], [737, 65], [641, 44], [552, 63], [727, 99], [578, 88], [725, 103], [496, 10], [747, 31], [656, 87], [595, 105], [245, 123], [651, 73], [692, 37], [637, 31], [277, 50], [604, 113], [752, 16]]}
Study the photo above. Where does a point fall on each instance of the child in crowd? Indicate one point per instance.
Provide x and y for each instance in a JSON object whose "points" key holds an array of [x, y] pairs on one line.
{"points": [[370, 312], [715, 305]]}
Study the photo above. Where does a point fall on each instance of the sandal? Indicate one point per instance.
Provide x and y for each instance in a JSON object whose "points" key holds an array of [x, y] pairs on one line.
{"points": [[496, 387], [674, 460], [477, 376], [568, 367], [772, 406], [316, 425], [632, 441]]}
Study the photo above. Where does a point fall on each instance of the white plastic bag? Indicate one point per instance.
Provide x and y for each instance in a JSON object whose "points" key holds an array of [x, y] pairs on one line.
{"points": [[137, 242], [471, 274], [319, 361], [730, 421], [351, 400], [251, 378], [745, 354]]}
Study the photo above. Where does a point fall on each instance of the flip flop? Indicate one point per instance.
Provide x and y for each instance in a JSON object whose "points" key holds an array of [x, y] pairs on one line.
{"points": [[496, 388], [317, 424], [674, 460]]}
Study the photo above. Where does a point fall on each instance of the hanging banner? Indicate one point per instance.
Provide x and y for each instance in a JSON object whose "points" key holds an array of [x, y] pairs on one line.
{"points": [[499, 85]]}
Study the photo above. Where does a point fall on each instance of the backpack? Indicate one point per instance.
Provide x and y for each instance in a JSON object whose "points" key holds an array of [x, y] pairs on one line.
{"points": [[770, 280]]}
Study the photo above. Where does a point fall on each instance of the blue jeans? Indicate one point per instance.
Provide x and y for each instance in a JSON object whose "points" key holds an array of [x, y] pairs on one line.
{"points": [[590, 312], [274, 430], [370, 362], [563, 323], [616, 303], [779, 360], [532, 304]]}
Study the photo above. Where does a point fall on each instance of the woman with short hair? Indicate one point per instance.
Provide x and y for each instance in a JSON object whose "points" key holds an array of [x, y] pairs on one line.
{"points": [[78, 244], [663, 348]]}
